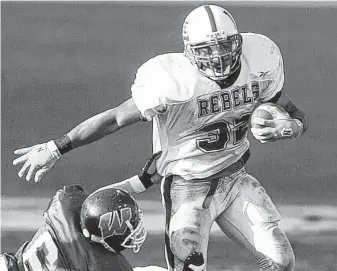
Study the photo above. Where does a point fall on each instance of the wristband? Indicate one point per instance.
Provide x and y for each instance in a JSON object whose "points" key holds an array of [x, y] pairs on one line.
{"points": [[145, 178], [63, 144]]}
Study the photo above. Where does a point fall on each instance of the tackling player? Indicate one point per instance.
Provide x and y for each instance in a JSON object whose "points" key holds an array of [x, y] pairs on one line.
{"points": [[200, 102], [82, 232]]}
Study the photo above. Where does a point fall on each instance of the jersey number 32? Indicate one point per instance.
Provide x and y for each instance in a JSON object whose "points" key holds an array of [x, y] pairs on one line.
{"points": [[221, 132]]}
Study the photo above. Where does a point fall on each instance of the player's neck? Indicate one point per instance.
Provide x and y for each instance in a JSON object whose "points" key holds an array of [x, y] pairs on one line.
{"points": [[230, 80]]}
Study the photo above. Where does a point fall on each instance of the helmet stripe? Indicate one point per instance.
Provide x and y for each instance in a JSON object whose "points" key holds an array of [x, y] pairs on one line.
{"points": [[211, 18], [229, 15]]}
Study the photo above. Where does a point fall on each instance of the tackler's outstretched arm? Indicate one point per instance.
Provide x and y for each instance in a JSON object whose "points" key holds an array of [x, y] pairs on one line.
{"points": [[143, 180]]}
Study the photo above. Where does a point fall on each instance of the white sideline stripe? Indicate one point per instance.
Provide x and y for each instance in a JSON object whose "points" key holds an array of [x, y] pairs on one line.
{"points": [[25, 214]]}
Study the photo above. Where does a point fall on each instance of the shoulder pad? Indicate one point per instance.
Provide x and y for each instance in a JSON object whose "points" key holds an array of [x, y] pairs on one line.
{"points": [[262, 54], [169, 76]]}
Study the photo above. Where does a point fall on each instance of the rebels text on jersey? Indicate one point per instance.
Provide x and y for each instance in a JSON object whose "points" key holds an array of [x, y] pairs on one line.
{"points": [[59, 244], [201, 128]]}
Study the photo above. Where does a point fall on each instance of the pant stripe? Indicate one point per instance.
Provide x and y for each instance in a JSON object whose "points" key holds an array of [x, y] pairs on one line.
{"points": [[168, 206], [210, 194]]}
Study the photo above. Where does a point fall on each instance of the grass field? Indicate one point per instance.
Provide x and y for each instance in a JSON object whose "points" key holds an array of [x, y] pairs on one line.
{"points": [[63, 62]]}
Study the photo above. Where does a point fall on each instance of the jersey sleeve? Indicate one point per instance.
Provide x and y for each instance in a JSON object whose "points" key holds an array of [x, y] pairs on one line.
{"points": [[271, 78], [66, 204], [148, 89], [63, 216]]}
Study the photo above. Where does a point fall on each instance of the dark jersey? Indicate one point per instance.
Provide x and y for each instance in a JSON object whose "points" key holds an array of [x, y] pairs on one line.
{"points": [[59, 244]]}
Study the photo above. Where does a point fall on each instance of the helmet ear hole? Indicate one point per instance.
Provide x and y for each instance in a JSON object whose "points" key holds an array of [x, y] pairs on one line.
{"points": [[86, 233]]}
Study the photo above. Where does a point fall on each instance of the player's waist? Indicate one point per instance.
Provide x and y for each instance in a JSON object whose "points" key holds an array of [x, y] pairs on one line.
{"points": [[212, 166], [233, 168]]}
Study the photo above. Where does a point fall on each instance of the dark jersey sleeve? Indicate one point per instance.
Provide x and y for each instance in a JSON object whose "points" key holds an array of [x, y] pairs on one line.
{"points": [[49, 248]]}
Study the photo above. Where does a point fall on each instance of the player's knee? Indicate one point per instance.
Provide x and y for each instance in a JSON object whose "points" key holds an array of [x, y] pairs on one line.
{"points": [[273, 243], [288, 261], [291, 263], [184, 241]]}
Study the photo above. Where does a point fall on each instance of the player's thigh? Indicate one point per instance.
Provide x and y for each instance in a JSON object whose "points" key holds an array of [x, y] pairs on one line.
{"points": [[189, 216], [234, 221], [252, 221]]}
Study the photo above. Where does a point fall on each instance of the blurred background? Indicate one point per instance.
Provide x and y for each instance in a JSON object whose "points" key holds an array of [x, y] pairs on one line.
{"points": [[62, 62]]}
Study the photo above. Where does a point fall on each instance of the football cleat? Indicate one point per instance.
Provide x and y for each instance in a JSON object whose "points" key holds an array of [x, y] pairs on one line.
{"points": [[212, 41], [112, 217], [194, 262]]}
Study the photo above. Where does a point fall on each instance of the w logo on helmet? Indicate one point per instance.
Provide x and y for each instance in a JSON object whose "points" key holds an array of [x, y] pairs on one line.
{"points": [[114, 223]]}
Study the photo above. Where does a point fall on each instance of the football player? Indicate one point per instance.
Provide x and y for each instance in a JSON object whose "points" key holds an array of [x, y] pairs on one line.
{"points": [[82, 232], [200, 102]]}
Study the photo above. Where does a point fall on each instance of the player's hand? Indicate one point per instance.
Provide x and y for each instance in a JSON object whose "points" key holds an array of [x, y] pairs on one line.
{"points": [[151, 169], [271, 130], [37, 160]]}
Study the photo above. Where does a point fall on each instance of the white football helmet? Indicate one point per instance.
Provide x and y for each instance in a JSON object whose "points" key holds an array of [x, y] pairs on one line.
{"points": [[212, 41]]}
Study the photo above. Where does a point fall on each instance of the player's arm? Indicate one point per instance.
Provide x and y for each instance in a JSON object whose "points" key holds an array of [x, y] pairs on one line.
{"points": [[41, 158], [142, 181], [293, 127]]}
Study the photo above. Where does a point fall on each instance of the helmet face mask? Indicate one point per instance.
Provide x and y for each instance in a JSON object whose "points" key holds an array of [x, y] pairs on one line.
{"points": [[212, 41], [112, 218], [136, 237], [216, 59]]}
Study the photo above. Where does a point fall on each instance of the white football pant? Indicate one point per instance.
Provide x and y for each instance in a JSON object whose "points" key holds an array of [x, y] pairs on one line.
{"points": [[241, 208]]}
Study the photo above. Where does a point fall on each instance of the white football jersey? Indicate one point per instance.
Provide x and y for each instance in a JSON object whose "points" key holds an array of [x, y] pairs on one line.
{"points": [[201, 128]]}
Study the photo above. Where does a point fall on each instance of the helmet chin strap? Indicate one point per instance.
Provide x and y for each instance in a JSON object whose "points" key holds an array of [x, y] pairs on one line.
{"points": [[137, 237], [100, 240]]}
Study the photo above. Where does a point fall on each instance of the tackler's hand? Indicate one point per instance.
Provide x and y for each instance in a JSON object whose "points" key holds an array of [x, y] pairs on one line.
{"points": [[37, 160], [150, 168]]}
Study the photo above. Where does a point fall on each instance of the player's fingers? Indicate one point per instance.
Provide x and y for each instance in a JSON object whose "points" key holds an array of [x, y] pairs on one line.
{"points": [[24, 168], [261, 132], [31, 172], [21, 159], [149, 164], [264, 137], [154, 157], [39, 174], [24, 150], [263, 122]]}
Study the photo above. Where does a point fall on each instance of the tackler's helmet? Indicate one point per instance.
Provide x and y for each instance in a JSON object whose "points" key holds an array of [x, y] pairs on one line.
{"points": [[112, 218], [212, 41]]}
